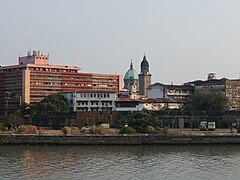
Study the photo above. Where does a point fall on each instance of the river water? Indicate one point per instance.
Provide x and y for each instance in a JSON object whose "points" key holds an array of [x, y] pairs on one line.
{"points": [[120, 162]]}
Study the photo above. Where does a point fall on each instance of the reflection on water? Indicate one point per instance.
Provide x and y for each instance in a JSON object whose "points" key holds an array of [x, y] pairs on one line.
{"points": [[120, 162]]}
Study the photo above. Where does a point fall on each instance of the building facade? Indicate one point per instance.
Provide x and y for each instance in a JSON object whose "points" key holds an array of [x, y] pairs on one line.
{"points": [[155, 90], [163, 103], [91, 100], [178, 91], [158, 90], [228, 87], [34, 78]]}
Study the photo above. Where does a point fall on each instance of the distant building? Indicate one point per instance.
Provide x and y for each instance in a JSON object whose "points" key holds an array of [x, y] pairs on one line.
{"points": [[163, 103], [100, 100], [158, 90], [144, 77], [128, 104], [34, 78], [178, 91], [90, 100], [229, 87]]}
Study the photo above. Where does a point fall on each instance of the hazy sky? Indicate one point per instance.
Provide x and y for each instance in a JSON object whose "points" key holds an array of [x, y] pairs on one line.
{"points": [[182, 39]]}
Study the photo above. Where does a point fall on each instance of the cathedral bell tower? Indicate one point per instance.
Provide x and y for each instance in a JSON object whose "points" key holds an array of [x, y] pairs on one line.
{"points": [[144, 77]]}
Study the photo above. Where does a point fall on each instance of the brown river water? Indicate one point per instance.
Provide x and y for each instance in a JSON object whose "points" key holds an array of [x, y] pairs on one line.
{"points": [[120, 162]]}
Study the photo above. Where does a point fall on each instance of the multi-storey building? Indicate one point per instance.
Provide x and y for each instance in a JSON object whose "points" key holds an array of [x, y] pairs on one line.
{"points": [[178, 91], [158, 90], [100, 100], [155, 90], [34, 78], [90, 100], [163, 103], [229, 87]]}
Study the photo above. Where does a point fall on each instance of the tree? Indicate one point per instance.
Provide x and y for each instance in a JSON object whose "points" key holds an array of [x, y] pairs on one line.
{"points": [[141, 121], [209, 103], [24, 108], [51, 104], [9, 122]]}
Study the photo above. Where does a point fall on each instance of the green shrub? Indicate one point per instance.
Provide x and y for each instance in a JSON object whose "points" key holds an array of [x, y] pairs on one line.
{"points": [[98, 130], [127, 130], [165, 130], [74, 131], [151, 129], [66, 130]]}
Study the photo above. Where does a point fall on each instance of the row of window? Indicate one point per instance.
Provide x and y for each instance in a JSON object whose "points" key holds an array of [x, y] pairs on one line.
{"points": [[39, 57], [51, 69], [94, 95], [179, 91], [91, 109], [94, 103]]}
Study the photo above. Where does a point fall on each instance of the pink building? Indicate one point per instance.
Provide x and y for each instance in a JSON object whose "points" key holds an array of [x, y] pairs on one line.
{"points": [[34, 78]]}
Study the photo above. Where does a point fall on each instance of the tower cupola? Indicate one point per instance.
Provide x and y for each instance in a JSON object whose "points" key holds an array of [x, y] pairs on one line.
{"points": [[144, 66]]}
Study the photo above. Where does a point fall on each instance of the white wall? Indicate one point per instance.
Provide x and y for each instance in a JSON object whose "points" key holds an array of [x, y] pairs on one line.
{"points": [[156, 91]]}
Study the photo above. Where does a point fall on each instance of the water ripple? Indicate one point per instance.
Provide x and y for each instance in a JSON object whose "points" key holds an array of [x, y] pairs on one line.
{"points": [[119, 162]]}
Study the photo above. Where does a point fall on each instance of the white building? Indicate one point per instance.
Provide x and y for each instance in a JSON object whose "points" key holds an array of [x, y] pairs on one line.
{"points": [[128, 104], [155, 90], [99, 100], [164, 103], [90, 100], [159, 91]]}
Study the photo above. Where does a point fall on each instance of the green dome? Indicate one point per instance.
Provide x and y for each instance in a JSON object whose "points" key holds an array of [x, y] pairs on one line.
{"points": [[131, 73]]}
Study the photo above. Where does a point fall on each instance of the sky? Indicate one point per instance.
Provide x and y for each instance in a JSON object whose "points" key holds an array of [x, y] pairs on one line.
{"points": [[183, 40]]}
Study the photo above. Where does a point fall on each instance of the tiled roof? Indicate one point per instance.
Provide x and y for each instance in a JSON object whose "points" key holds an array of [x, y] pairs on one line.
{"points": [[90, 91], [163, 100], [126, 99], [179, 87]]}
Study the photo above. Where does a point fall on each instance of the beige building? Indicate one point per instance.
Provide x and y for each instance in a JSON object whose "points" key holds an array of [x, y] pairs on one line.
{"points": [[229, 87]]}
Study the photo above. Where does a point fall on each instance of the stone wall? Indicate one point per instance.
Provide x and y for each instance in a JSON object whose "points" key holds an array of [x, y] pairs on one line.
{"points": [[118, 140]]}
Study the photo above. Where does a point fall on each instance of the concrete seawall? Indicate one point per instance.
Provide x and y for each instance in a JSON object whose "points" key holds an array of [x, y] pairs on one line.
{"points": [[118, 140]]}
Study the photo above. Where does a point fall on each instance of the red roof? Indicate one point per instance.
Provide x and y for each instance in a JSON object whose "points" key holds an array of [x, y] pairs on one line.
{"points": [[126, 99], [90, 91], [163, 100]]}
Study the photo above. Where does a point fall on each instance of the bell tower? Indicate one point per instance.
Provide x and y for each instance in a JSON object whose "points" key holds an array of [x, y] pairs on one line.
{"points": [[144, 77]]}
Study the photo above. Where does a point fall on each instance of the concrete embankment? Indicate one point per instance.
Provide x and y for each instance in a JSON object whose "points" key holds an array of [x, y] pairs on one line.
{"points": [[118, 140]]}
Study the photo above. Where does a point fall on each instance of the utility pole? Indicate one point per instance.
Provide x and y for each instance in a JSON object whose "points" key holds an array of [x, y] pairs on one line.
{"points": [[6, 97]]}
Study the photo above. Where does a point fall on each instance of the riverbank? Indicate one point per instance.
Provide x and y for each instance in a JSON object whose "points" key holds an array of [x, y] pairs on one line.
{"points": [[118, 139]]}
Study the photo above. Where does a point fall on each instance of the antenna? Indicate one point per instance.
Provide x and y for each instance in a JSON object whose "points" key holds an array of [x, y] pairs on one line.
{"points": [[29, 45]]}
